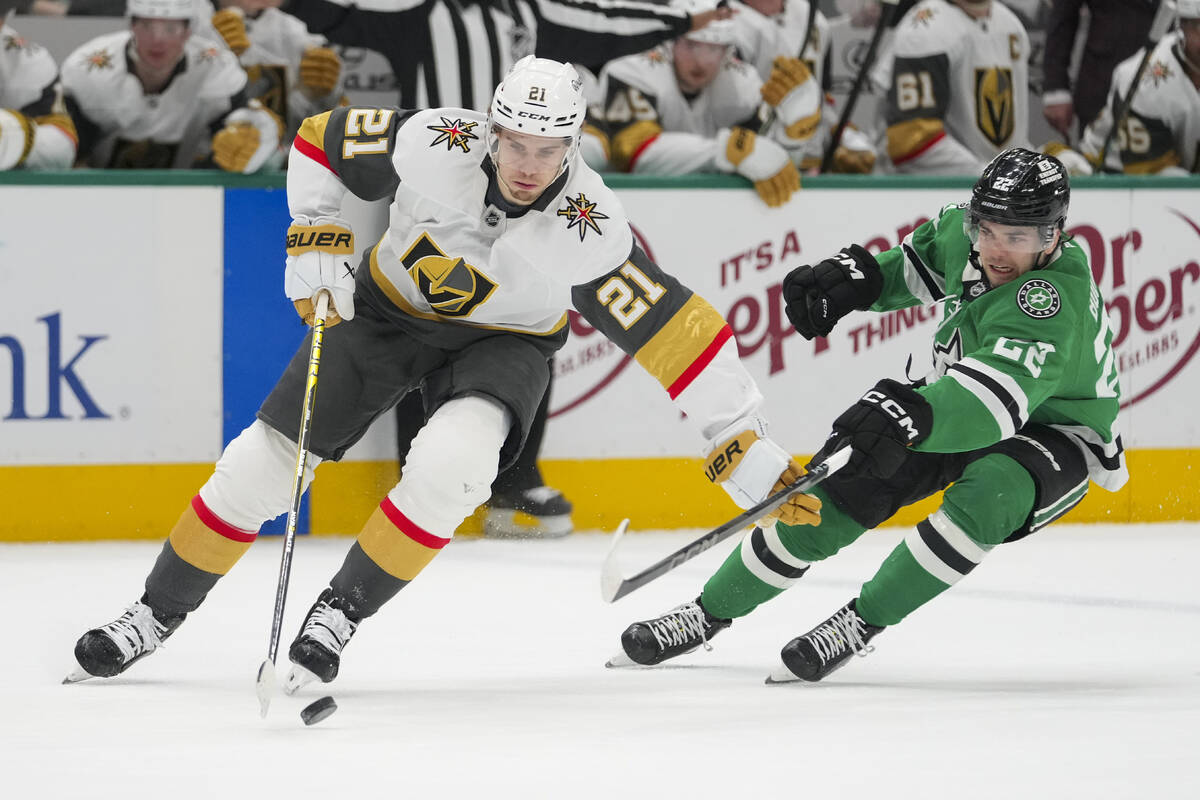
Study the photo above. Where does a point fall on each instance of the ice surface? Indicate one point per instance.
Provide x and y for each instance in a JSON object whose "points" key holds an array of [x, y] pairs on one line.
{"points": [[1066, 666]]}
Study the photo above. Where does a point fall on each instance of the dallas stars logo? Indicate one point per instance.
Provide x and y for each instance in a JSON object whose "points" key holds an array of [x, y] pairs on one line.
{"points": [[582, 215], [99, 59], [454, 134], [1038, 299]]}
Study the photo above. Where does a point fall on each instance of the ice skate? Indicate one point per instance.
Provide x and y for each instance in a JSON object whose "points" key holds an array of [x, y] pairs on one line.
{"points": [[681, 630], [316, 653], [538, 513], [111, 649], [826, 647]]}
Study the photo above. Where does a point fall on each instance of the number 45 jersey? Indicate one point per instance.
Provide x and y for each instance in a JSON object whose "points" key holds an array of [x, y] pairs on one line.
{"points": [[1035, 350], [457, 263]]}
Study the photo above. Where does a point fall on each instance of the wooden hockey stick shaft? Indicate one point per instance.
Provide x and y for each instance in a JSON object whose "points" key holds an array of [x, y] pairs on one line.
{"points": [[885, 17], [265, 683], [613, 587]]}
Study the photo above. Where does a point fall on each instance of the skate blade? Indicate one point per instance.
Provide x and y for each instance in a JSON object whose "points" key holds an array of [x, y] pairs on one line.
{"points": [[77, 675], [620, 660], [781, 674], [297, 678], [517, 525]]}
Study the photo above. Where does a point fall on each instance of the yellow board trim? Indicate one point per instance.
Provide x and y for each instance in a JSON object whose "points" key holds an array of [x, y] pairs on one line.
{"points": [[684, 337], [144, 501]]}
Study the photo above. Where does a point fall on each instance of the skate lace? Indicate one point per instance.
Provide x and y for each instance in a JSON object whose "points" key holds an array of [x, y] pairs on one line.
{"points": [[329, 627], [680, 626], [136, 631], [843, 630]]}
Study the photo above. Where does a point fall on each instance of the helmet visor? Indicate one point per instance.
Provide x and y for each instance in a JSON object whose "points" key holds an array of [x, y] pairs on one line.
{"points": [[1013, 238]]}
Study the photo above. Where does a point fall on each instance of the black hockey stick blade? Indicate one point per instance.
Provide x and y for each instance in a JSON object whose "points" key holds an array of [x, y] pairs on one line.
{"points": [[613, 586]]}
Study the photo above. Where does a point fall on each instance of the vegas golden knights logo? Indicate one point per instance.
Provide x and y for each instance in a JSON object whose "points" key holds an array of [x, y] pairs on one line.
{"points": [[995, 110], [452, 286]]}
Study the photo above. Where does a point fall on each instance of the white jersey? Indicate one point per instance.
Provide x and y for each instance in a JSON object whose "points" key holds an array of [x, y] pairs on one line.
{"points": [[1162, 129], [758, 39], [652, 127], [121, 126], [959, 88], [29, 85], [272, 62], [457, 262]]}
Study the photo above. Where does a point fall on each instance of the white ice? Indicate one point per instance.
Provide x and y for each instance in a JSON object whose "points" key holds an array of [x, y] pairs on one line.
{"points": [[1066, 666]]}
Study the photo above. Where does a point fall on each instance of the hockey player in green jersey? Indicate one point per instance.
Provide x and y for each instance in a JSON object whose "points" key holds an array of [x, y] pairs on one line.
{"points": [[1018, 413]]}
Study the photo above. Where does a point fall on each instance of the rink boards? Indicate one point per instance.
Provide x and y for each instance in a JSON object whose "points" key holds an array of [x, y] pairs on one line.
{"points": [[146, 322]]}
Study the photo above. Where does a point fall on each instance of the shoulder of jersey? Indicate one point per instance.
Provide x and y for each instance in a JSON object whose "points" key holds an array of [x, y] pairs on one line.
{"points": [[641, 69], [450, 131], [208, 54], [930, 27], [98, 61], [741, 69], [587, 213], [29, 60]]}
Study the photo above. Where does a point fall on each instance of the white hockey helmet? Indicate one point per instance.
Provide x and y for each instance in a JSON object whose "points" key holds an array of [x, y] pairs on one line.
{"points": [[719, 31], [539, 97], [1187, 9], [161, 9]]}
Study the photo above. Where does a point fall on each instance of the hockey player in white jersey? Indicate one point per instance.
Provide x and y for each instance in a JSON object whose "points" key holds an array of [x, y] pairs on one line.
{"points": [[154, 96], [958, 92], [1161, 134], [497, 228], [291, 71], [35, 130], [691, 106]]}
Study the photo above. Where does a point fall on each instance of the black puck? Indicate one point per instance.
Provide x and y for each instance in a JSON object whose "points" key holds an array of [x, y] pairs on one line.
{"points": [[318, 710]]}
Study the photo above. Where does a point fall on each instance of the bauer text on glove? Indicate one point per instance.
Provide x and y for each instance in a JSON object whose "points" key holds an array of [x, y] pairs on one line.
{"points": [[750, 467], [319, 251]]}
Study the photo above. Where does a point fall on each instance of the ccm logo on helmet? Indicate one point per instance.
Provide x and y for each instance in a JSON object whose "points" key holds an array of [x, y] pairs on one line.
{"points": [[531, 115], [893, 410]]}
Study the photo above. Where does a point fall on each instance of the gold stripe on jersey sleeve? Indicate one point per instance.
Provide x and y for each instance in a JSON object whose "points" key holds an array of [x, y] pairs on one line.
{"points": [[62, 122], [677, 345], [1167, 159], [905, 139], [401, 302], [630, 140], [312, 130], [601, 137]]}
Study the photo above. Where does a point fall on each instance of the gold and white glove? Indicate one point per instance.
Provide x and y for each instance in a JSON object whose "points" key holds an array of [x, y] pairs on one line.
{"points": [[320, 69], [750, 467], [761, 160], [250, 137], [231, 24], [17, 133], [1075, 162], [319, 251], [791, 90]]}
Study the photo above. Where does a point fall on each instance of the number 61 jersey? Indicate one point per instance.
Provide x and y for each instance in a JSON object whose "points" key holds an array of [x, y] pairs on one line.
{"points": [[457, 263]]}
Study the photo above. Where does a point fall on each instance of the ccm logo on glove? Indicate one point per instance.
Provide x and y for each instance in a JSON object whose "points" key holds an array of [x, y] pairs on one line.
{"points": [[894, 410]]}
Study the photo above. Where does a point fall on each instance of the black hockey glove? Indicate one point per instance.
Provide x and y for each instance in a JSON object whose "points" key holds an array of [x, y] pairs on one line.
{"points": [[815, 298], [881, 427]]}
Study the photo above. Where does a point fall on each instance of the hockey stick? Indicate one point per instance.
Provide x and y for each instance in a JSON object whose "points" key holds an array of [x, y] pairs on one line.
{"points": [[885, 17], [266, 682], [613, 587], [1163, 18]]}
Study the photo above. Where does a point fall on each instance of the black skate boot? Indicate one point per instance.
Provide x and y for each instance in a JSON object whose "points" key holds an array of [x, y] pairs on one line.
{"points": [[826, 647], [111, 649], [316, 653], [538, 513], [681, 630]]}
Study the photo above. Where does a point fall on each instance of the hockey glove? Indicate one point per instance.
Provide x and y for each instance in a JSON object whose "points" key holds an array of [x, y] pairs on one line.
{"points": [[764, 162], [17, 133], [816, 297], [881, 427], [319, 251], [320, 68], [231, 24], [750, 467], [795, 96], [250, 137]]}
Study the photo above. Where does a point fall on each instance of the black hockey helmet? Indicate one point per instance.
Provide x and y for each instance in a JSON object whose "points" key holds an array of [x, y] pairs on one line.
{"points": [[1021, 187]]}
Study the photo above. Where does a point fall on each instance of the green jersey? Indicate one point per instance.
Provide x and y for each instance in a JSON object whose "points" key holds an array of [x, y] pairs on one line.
{"points": [[1035, 350]]}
